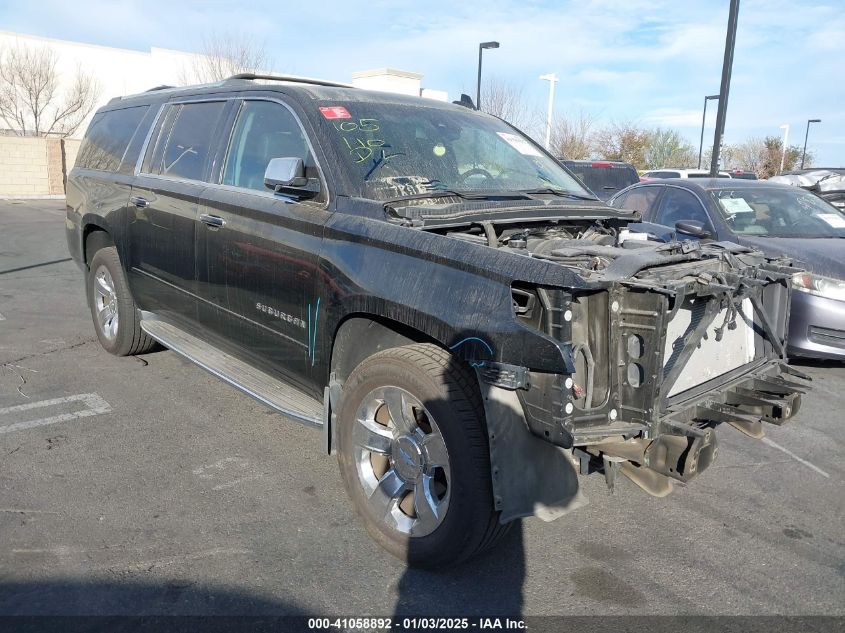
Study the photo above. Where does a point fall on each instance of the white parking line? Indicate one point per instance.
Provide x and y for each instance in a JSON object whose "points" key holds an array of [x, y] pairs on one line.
{"points": [[94, 404], [766, 440], [2, 318]]}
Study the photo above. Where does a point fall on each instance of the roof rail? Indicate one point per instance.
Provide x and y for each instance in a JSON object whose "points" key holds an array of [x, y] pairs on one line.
{"points": [[161, 87], [290, 78]]}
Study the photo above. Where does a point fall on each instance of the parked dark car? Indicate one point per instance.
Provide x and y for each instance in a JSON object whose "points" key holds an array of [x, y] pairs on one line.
{"points": [[431, 288], [742, 174], [604, 178], [778, 220]]}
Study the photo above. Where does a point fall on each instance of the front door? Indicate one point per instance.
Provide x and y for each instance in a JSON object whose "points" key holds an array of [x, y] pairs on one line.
{"points": [[258, 251]]}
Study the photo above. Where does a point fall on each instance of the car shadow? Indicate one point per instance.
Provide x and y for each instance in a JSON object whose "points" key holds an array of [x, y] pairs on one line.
{"points": [[489, 585]]}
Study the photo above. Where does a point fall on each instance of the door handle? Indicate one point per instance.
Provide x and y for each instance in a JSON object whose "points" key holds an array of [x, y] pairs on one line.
{"points": [[139, 202], [212, 220]]}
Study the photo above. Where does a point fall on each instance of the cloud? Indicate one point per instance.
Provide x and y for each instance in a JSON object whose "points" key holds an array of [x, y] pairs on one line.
{"points": [[646, 60], [675, 117]]}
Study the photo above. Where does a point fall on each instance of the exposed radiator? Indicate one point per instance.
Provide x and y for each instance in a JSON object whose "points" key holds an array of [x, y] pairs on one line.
{"points": [[711, 358]]}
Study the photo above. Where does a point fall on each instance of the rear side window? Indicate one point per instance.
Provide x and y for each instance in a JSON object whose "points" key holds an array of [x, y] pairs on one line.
{"points": [[107, 138], [186, 147], [640, 199]]}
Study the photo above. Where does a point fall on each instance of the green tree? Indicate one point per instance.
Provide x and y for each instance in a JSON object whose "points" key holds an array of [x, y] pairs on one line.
{"points": [[623, 141], [772, 154], [667, 148]]}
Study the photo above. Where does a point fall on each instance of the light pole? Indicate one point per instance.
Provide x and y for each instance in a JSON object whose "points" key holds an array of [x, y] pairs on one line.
{"points": [[724, 89], [481, 48], [551, 78], [806, 134], [703, 117], [785, 128]]}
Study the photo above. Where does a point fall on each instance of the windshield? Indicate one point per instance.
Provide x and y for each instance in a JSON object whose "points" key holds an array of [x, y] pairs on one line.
{"points": [[778, 212], [393, 150]]}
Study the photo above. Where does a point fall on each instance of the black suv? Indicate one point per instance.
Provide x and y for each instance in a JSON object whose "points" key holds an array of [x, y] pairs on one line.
{"points": [[468, 325], [605, 178]]}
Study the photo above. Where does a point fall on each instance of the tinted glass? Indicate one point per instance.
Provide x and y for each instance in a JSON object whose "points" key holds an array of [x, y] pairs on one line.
{"points": [[679, 205], [640, 199], [107, 138], [264, 130], [778, 212], [389, 150], [604, 180], [189, 141]]}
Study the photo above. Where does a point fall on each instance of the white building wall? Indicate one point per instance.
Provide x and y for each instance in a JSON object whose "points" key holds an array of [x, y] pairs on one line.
{"points": [[121, 71], [118, 71]]}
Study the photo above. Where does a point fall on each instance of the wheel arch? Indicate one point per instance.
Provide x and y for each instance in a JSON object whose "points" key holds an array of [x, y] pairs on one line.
{"points": [[94, 237], [360, 335]]}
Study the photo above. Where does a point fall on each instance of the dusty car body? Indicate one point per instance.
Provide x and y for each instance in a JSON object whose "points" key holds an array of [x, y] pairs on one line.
{"points": [[468, 326]]}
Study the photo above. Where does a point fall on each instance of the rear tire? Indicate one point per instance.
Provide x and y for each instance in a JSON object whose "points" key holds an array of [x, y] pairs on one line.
{"points": [[113, 308], [414, 456]]}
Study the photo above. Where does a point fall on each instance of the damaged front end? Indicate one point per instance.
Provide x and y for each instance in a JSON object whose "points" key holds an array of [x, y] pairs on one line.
{"points": [[667, 342]]}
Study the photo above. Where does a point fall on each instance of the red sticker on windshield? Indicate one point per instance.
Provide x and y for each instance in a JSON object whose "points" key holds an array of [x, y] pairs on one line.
{"points": [[335, 112]]}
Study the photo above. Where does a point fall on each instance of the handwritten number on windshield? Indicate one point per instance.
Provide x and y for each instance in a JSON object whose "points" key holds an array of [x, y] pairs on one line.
{"points": [[361, 149]]}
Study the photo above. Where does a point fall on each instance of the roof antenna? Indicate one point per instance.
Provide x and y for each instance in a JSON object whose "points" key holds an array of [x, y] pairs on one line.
{"points": [[465, 101]]}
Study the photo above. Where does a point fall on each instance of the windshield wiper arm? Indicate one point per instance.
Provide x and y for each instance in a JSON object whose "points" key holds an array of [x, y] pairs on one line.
{"points": [[465, 195], [559, 192]]}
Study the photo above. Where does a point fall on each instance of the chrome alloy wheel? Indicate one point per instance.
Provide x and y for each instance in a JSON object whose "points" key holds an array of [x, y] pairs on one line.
{"points": [[402, 461], [105, 303]]}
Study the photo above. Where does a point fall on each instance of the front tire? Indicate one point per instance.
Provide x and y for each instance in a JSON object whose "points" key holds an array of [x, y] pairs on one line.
{"points": [[113, 308], [414, 457]]}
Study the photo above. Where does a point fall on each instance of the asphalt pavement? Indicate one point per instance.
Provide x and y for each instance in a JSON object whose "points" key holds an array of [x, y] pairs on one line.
{"points": [[146, 486]]}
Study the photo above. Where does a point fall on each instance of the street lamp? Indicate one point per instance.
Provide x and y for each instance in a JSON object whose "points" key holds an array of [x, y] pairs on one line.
{"points": [[785, 128], [551, 78], [481, 48], [703, 117], [804, 153]]}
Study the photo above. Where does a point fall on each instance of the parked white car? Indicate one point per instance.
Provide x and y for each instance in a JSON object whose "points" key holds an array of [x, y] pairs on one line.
{"points": [[680, 173]]}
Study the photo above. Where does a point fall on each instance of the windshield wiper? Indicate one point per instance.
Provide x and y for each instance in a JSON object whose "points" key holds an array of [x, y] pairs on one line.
{"points": [[465, 195], [559, 192]]}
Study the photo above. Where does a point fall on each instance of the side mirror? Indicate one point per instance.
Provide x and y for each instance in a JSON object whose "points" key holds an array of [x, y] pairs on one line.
{"points": [[693, 228], [285, 172]]}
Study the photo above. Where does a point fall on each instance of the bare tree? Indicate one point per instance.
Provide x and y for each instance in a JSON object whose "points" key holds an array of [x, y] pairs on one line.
{"points": [[31, 101], [572, 137], [747, 155], [623, 141], [224, 55], [506, 101]]}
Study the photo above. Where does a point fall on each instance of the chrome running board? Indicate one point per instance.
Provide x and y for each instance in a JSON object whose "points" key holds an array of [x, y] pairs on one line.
{"points": [[271, 391]]}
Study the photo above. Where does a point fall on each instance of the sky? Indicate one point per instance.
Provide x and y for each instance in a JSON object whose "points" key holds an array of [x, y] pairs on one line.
{"points": [[650, 62]]}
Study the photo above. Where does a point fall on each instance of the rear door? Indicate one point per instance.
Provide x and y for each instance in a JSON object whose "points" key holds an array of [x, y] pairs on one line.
{"points": [[258, 251], [164, 207]]}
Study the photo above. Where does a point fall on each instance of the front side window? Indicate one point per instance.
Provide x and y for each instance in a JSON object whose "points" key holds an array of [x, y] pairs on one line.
{"points": [[188, 144], [778, 212], [388, 150], [264, 130], [680, 206]]}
